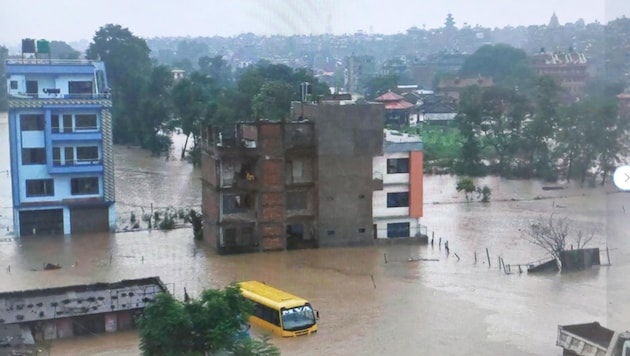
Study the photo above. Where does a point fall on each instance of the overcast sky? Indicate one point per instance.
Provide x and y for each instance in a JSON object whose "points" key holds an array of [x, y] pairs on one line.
{"points": [[73, 20]]}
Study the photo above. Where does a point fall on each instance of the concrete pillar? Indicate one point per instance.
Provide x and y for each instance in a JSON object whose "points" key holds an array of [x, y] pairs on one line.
{"points": [[50, 330]]}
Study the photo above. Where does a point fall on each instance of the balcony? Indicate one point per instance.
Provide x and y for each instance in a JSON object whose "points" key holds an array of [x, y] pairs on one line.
{"points": [[76, 166]]}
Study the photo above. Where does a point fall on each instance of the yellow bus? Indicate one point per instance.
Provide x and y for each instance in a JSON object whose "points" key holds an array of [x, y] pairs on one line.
{"points": [[280, 312]]}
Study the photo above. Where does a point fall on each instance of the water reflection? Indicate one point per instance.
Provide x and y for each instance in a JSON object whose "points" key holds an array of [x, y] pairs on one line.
{"points": [[371, 300]]}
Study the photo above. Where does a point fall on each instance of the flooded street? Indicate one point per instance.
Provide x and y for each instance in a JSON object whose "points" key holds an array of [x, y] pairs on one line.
{"points": [[452, 306]]}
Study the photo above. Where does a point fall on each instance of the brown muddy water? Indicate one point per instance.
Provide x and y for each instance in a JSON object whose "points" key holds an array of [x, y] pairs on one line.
{"points": [[447, 307]]}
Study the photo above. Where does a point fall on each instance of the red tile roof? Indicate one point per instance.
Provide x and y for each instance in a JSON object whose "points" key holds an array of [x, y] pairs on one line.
{"points": [[389, 96], [398, 105]]}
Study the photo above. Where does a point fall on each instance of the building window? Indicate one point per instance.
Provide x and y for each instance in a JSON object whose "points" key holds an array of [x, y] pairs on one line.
{"points": [[87, 154], [398, 200], [237, 203], [80, 87], [83, 186], [40, 187], [31, 87], [13, 85], [297, 201], [397, 165], [85, 122], [68, 153], [32, 122], [229, 237], [33, 156], [56, 156], [398, 230]]}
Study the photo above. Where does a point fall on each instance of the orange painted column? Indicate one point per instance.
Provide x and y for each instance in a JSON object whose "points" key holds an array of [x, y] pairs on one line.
{"points": [[416, 177]]}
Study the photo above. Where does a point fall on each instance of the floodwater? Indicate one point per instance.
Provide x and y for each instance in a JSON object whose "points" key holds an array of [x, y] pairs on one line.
{"points": [[371, 300]]}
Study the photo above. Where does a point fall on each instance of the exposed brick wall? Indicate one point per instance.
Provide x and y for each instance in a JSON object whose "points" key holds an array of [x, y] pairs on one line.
{"points": [[272, 198], [272, 213], [208, 169], [272, 243], [272, 174]]}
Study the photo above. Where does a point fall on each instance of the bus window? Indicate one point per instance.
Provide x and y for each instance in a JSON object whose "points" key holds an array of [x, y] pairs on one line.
{"points": [[298, 318]]}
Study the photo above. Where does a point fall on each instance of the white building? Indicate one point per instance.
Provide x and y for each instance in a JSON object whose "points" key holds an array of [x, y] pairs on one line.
{"points": [[397, 208]]}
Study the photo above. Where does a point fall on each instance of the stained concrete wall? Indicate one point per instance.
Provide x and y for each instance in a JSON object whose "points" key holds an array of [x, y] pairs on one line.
{"points": [[348, 136]]}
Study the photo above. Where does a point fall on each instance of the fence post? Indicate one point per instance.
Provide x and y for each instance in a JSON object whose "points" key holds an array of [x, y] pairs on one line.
{"points": [[608, 255], [475, 257], [488, 255]]}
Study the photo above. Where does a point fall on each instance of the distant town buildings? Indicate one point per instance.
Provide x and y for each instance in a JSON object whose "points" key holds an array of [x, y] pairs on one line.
{"points": [[569, 69], [452, 87], [330, 176], [60, 133]]}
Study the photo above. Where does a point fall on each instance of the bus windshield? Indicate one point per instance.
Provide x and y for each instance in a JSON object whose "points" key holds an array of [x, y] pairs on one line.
{"points": [[298, 318]]}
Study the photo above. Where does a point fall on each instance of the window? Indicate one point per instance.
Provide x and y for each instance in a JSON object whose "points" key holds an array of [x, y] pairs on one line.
{"points": [[236, 203], [56, 156], [398, 230], [87, 153], [32, 122], [85, 122], [33, 156], [267, 314], [31, 87], [80, 87], [68, 155], [397, 165], [82, 186], [13, 85], [229, 237], [297, 201], [54, 123], [398, 200], [67, 123], [40, 188]]}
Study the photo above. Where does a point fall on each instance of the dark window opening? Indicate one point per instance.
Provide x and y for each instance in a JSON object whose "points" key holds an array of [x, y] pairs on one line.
{"points": [[398, 200], [267, 314], [67, 123], [40, 188], [68, 155], [33, 156], [398, 230], [80, 87], [13, 85], [330, 232], [85, 122], [247, 172], [87, 154], [237, 203], [31, 87], [361, 230], [229, 237], [56, 156], [82, 186], [54, 124], [297, 201], [397, 165], [32, 122]]}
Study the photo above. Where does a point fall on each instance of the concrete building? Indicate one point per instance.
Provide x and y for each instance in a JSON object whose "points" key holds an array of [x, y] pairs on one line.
{"points": [[61, 146], [62, 312], [397, 208], [307, 182], [569, 69]]}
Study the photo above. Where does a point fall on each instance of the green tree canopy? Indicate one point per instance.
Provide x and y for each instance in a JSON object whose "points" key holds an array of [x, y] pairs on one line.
{"points": [[508, 66], [200, 326], [62, 50]]}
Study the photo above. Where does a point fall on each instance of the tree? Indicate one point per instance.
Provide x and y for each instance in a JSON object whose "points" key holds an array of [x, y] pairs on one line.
{"points": [[128, 66], [467, 186], [380, 84], [156, 110], [553, 234], [508, 66], [194, 100], [504, 112], [200, 326], [469, 117], [62, 50]]}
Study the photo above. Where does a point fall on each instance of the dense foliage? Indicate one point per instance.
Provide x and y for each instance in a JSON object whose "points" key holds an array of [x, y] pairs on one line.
{"points": [[211, 323]]}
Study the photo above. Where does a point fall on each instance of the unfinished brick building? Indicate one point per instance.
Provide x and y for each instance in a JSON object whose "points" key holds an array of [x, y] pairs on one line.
{"points": [[302, 183]]}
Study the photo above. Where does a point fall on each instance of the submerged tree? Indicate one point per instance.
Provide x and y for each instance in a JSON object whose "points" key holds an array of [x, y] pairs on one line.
{"points": [[553, 235], [204, 326]]}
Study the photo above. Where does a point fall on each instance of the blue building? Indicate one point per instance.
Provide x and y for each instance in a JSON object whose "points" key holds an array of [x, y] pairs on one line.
{"points": [[61, 146]]}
